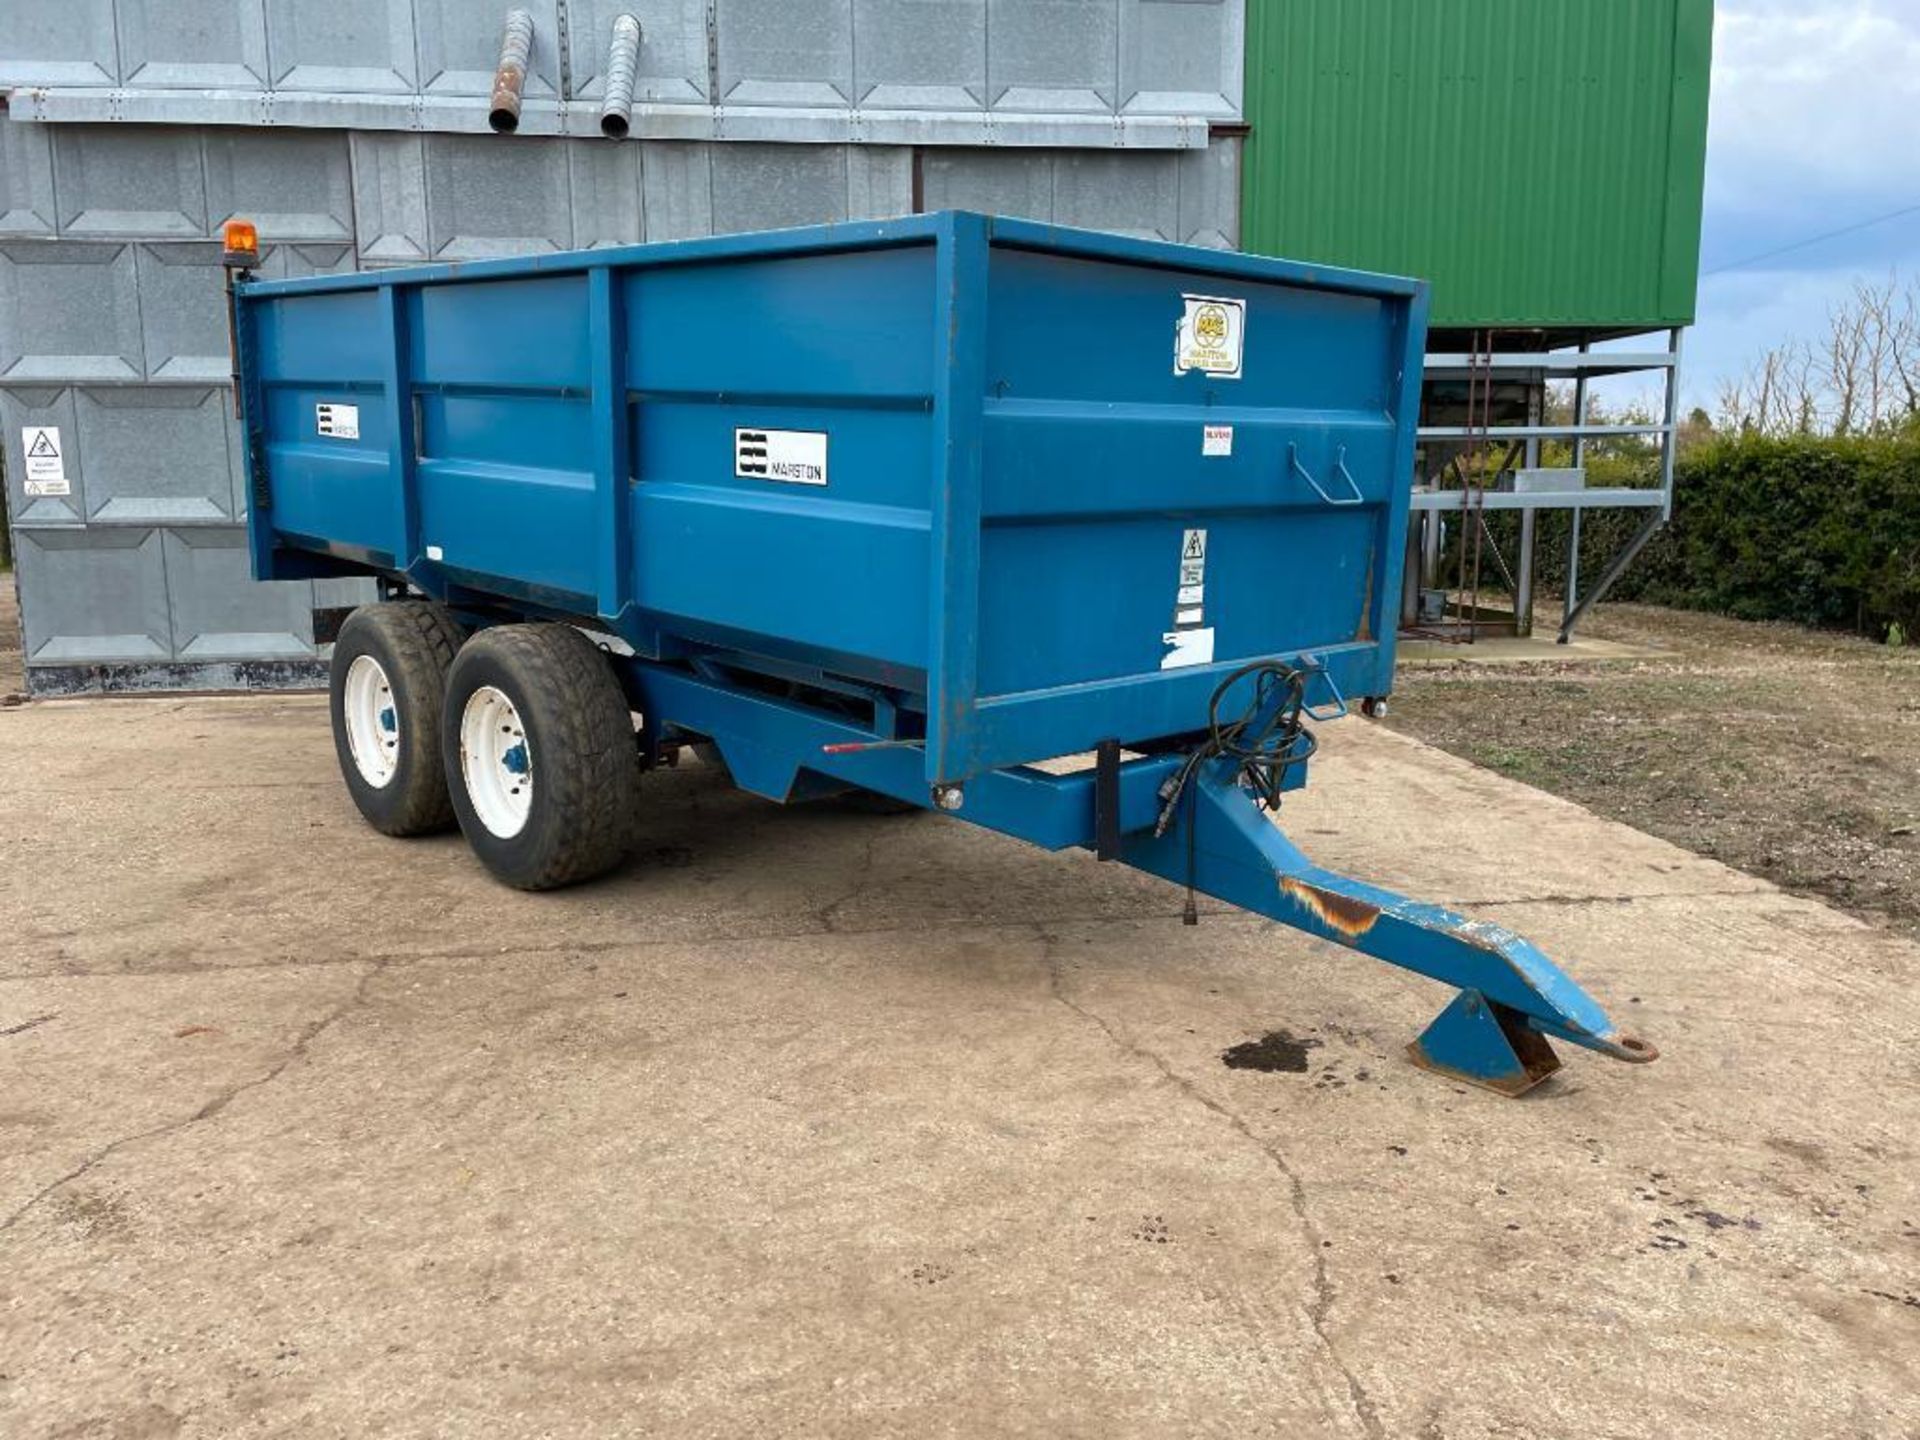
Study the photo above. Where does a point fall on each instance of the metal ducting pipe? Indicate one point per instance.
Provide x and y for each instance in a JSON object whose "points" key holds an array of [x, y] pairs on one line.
{"points": [[516, 42], [622, 60]]}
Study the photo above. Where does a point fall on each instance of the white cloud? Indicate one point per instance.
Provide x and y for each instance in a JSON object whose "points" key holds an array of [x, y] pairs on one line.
{"points": [[1815, 127], [1823, 93]]}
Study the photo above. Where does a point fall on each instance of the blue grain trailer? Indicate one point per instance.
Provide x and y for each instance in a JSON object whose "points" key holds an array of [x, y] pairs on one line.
{"points": [[898, 510]]}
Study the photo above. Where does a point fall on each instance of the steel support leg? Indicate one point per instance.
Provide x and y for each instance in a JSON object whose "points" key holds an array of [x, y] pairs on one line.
{"points": [[1615, 569], [1512, 996], [1523, 583]]}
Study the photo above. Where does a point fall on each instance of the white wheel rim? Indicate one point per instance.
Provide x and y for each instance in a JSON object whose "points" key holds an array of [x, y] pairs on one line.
{"points": [[495, 762], [373, 721]]}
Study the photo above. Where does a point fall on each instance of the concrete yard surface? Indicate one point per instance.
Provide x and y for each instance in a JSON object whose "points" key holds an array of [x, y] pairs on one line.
{"points": [[815, 1124]]}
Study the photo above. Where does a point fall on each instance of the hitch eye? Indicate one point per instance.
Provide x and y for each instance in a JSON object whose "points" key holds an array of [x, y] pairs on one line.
{"points": [[241, 241]]}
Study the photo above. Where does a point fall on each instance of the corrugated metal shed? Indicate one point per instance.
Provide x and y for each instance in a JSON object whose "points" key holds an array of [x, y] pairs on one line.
{"points": [[354, 132], [1539, 161]]}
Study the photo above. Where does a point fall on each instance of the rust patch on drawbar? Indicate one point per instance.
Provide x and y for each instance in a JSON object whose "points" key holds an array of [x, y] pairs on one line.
{"points": [[1351, 917]]}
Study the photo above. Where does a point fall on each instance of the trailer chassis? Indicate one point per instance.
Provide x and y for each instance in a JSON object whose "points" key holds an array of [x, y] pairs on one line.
{"points": [[1218, 840]]}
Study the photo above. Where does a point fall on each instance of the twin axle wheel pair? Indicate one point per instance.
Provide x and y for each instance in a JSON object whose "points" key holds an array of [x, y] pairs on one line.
{"points": [[521, 734]]}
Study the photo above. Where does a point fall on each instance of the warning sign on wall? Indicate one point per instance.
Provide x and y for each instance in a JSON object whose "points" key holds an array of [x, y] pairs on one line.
{"points": [[46, 465]]}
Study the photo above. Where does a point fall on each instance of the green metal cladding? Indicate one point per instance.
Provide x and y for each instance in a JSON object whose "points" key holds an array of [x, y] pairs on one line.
{"points": [[1539, 161]]}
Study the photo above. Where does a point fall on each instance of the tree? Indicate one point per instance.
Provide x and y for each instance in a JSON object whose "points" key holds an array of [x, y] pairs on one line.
{"points": [[1861, 378]]}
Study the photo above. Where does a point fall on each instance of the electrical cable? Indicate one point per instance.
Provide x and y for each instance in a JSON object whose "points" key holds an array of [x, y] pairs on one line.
{"points": [[1868, 223], [1266, 749]]}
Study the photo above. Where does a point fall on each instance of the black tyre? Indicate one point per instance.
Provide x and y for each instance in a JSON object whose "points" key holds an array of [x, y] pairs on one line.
{"points": [[385, 693], [539, 752]]}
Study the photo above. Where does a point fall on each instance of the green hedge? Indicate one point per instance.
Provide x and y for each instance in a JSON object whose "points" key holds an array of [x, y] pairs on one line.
{"points": [[1817, 530]]}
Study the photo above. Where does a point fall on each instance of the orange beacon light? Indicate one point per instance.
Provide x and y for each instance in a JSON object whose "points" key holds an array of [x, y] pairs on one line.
{"points": [[241, 239]]}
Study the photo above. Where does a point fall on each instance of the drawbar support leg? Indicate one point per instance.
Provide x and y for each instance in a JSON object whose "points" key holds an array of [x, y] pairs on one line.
{"points": [[1512, 996], [1488, 1044]]}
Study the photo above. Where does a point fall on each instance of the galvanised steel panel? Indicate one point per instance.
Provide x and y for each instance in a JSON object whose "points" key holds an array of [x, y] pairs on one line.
{"points": [[38, 405], [390, 197], [26, 180], [69, 310], [604, 184], [785, 52], [1210, 194], [58, 42], [155, 455], [200, 44], [1187, 196], [145, 181], [762, 187], [330, 593], [1181, 56], [184, 333], [922, 54], [217, 614], [293, 184], [342, 45], [1106, 192], [879, 181], [676, 179], [93, 596], [1053, 54], [707, 189], [994, 182], [673, 47], [459, 46], [486, 198], [1040, 66], [1540, 161], [294, 261]]}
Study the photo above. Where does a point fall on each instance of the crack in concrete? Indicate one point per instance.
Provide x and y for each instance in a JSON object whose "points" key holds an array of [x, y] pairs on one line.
{"points": [[825, 918], [308, 1034], [600, 947], [862, 876], [26, 1025], [203, 786], [1609, 899], [1323, 1290]]}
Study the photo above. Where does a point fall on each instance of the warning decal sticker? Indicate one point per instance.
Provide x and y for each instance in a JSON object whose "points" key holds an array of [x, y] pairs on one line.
{"points": [[46, 464], [342, 422], [1210, 335], [798, 457], [1190, 641]]}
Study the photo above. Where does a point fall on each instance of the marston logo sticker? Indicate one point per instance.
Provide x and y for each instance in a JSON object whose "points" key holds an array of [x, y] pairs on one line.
{"points": [[1210, 336]]}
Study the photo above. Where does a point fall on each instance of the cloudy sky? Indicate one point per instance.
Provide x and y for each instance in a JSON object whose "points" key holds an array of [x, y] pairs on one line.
{"points": [[1816, 126]]}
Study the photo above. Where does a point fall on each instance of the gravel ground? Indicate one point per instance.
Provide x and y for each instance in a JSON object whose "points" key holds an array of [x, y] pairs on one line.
{"points": [[11, 678], [1788, 753]]}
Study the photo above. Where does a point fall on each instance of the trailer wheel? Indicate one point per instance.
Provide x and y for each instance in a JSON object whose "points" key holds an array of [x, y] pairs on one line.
{"points": [[388, 677], [539, 754]]}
